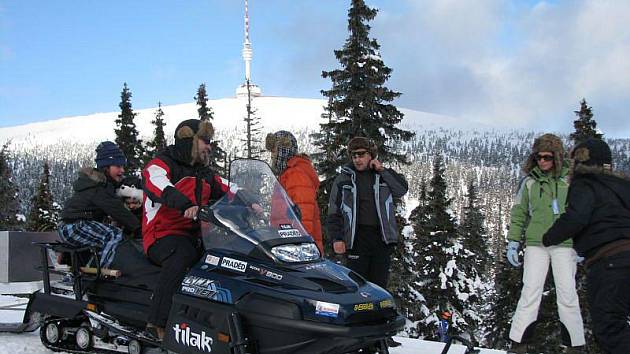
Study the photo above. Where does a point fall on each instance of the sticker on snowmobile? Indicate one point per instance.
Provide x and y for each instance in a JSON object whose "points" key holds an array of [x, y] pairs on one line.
{"points": [[206, 288], [234, 264], [386, 304], [315, 266], [213, 260], [367, 306], [191, 280], [273, 275], [284, 233], [326, 309], [185, 336]]}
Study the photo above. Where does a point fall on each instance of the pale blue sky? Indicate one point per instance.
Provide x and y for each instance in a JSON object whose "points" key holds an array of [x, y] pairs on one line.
{"points": [[521, 63]]}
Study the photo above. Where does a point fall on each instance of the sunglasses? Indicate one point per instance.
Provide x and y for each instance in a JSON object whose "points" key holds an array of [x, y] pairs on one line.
{"points": [[206, 140], [544, 157], [358, 154]]}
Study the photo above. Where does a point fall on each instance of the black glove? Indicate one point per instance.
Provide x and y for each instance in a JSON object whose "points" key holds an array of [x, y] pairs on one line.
{"points": [[296, 211]]}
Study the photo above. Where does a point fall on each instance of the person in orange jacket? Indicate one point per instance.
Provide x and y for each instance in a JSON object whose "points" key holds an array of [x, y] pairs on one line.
{"points": [[297, 176]]}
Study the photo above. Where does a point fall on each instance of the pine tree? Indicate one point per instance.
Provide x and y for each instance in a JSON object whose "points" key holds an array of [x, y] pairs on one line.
{"points": [[585, 126], [159, 139], [205, 112], [472, 231], [127, 134], [358, 99], [443, 285], [473, 260], [358, 103], [44, 215], [9, 206], [217, 154], [253, 129], [404, 282]]}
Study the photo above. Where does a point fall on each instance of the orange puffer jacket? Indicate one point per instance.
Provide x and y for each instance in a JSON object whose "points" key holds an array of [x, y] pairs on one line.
{"points": [[300, 181]]}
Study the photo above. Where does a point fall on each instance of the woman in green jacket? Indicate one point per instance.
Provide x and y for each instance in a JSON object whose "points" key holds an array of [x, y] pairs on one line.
{"points": [[540, 200]]}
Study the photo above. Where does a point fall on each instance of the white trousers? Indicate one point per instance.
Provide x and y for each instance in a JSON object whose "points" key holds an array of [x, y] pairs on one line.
{"points": [[535, 267]]}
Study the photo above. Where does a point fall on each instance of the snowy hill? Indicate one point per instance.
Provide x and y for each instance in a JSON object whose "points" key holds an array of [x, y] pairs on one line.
{"points": [[275, 113]]}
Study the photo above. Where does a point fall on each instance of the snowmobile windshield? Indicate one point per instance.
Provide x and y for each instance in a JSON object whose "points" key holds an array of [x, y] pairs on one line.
{"points": [[257, 218]]}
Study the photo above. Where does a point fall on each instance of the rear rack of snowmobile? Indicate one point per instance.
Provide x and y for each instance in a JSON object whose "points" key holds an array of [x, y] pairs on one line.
{"points": [[75, 270]]}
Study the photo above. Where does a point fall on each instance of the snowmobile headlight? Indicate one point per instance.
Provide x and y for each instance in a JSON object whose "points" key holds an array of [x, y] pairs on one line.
{"points": [[302, 252]]}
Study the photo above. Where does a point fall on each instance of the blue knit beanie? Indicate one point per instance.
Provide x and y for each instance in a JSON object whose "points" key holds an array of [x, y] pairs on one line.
{"points": [[108, 153]]}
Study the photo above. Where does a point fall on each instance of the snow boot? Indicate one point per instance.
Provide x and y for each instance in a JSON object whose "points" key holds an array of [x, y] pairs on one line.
{"points": [[576, 350], [392, 343], [155, 331], [518, 348]]}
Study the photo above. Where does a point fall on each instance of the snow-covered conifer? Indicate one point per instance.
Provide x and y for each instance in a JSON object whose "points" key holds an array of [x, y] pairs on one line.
{"points": [[10, 217], [585, 126], [44, 215], [127, 134]]}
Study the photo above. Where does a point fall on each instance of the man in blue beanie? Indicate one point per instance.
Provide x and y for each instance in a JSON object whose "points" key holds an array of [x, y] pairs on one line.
{"points": [[94, 200]]}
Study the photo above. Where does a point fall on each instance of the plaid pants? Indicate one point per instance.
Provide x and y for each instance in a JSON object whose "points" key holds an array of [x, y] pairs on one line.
{"points": [[88, 233]]}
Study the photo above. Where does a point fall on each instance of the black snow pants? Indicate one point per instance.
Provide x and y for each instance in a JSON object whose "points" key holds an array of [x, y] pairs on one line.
{"points": [[370, 256], [175, 254], [609, 301]]}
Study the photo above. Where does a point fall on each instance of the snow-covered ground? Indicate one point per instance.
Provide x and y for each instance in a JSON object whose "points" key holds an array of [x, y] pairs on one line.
{"points": [[29, 343]]}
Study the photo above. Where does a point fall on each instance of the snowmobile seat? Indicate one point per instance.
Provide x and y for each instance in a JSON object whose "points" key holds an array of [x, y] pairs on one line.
{"points": [[136, 269], [138, 276]]}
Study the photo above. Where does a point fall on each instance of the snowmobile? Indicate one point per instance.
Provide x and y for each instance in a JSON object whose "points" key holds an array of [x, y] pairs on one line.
{"points": [[261, 287]]}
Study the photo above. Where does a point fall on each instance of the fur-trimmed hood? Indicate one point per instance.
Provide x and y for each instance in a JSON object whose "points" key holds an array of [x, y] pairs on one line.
{"points": [[186, 148], [548, 143], [89, 178], [582, 169], [283, 146]]}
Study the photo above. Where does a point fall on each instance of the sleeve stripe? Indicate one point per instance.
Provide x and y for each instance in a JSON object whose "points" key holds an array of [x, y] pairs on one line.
{"points": [[158, 177]]}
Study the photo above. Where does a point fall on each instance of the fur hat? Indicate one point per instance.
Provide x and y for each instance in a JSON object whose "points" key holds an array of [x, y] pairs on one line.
{"points": [[592, 155], [283, 146], [360, 142], [107, 154], [546, 143], [186, 135]]}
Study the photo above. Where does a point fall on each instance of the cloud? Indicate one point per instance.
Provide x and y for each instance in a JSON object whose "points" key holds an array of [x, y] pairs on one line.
{"points": [[501, 62]]}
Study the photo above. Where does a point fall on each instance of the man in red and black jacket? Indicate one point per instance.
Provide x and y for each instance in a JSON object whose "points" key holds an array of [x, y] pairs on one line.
{"points": [[176, 183]]}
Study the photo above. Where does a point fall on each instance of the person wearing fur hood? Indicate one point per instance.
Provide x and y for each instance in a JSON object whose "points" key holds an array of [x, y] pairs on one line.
{"points": [[598, 221], [540, 201], [297, 176], [176, 183], [93, 201]]}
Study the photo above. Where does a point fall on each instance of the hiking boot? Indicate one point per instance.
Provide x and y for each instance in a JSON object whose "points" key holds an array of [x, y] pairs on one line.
{"points": [[392, 343], [518, 348], [576, 350], [155, 331]]}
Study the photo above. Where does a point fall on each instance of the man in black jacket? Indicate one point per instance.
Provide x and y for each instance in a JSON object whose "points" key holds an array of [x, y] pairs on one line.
{"points": [[361, 214], [598, 220], [94, 200]]}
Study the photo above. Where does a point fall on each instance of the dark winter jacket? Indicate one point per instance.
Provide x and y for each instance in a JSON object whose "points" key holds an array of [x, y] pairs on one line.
{"points": [[598, 214], [171, 186], [95, 198], [342, 208]]}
